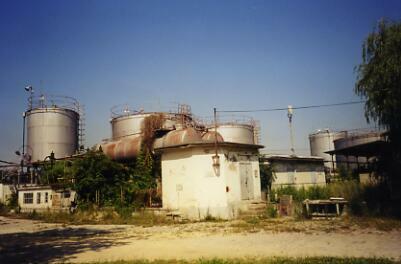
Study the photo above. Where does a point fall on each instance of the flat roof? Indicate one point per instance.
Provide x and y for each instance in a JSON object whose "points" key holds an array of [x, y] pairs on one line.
{"points": [[369, 149], [211, 144], [286, 157]]}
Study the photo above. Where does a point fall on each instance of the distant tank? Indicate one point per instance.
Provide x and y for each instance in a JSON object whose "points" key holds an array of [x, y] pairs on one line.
{"points": [[236, 133], [353, 140], [52, 125], [322, 141]]}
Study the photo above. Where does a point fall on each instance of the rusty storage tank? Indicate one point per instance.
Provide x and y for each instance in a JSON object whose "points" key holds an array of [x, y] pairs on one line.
{"points": [[178, 137], [322, 141], [125, 148], [52, 124], [236, 133], [127, 122]]}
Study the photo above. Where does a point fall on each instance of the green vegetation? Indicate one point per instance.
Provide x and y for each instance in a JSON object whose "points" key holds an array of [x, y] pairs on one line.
{"points": [[273, 260], [364, 200], [101, 181], [379, 82], [102, 216]]}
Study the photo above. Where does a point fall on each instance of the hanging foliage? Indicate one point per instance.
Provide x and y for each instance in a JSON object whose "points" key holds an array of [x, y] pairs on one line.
{"points": [[150, 125]]}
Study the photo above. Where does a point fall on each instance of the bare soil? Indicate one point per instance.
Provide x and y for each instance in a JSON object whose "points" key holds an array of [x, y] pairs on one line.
{"points": [[26, 241]]}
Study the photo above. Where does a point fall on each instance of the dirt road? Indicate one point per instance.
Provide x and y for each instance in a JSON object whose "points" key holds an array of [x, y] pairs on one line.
{"points": [[30, 241]]}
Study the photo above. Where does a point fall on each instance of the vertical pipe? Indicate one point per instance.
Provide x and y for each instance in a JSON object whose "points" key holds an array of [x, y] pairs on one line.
{"points": [[290, 114], [23, 148], [292, 138]]}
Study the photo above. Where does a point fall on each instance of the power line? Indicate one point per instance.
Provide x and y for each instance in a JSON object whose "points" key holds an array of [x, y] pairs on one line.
{"points": [[294, 107]]}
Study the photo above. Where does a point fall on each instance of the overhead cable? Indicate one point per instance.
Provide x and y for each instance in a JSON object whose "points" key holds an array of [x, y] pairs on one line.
{"points": [[294, 107]]}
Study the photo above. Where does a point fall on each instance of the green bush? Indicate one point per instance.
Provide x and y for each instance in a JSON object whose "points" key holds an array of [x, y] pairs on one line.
{"points": [[271, 211], [372, 200]]}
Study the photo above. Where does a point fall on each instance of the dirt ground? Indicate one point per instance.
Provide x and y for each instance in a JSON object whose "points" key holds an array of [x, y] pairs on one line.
{"points": [[27, 241]]}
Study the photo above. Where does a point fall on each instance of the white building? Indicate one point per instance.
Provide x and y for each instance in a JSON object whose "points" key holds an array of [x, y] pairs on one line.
{"points": [[194, 187], [297, 171], [45, 198]]}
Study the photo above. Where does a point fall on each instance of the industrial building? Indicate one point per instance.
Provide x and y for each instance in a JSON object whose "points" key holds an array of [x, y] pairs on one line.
{"points": [[201, 179], [296, 171], [204, 173], [45, 198]]}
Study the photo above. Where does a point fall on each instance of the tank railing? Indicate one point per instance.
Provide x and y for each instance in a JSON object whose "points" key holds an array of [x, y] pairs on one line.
{"points": [[52, 101], [126, 110], [227, 120]]}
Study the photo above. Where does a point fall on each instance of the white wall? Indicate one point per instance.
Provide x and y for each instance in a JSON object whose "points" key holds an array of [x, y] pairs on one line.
{"points": [[42, 206], [304, 175], [191, 185]]}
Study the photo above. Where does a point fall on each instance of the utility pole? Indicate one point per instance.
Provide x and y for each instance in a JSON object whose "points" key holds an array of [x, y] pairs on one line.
{"points": [[23, 148], [215, 158], [290, 114]]}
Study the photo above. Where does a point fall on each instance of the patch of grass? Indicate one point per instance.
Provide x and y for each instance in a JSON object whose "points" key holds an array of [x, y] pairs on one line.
{"points": [[102, 217], [272, 260]]}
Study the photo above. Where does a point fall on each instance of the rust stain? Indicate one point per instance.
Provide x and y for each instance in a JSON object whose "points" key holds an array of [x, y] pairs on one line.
{"points": [[126, 148], [210, 135]]}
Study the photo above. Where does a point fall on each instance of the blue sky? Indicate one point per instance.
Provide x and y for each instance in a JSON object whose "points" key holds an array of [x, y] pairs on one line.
{"points": [[224, 54]]}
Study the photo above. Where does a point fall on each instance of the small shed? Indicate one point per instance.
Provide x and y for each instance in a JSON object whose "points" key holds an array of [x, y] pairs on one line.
{"points": [[197, 185], [297, 171], [44, 198]]}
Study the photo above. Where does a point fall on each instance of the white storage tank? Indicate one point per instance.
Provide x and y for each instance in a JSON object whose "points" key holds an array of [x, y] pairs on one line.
{"points": [[51, 129], [322, 141], [125, 121], [127, 125], [236, 133]]}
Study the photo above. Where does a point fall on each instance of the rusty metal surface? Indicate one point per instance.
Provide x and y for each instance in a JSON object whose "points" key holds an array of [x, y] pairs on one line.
{"points": [[123, 149], [184, 136], [210, 137]]}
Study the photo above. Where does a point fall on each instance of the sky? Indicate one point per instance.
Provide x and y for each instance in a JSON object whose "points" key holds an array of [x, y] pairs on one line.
{"points": [[232, 55]]}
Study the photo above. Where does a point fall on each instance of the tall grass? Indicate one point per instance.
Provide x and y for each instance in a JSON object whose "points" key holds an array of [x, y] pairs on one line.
{"points": [[372, 200]]}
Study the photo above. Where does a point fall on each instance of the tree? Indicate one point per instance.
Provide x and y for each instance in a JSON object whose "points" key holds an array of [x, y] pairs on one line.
{"points": [[98, 179], [379, 81]]}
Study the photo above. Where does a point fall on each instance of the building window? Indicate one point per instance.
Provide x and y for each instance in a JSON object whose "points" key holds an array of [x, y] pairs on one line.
{"points": [[38, 197], [46, 197], [65, 194], [28, 198]]}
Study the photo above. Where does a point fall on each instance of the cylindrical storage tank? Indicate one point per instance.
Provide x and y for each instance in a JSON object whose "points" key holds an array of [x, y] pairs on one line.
{"points": [[178, 137], [353, 140], [211, 136], [132, 124], [51, 129], [236, 133], [123, 149], [128, 125], [322, 141]]}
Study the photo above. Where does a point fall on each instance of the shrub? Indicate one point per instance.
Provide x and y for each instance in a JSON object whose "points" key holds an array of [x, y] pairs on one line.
{"points": [[271, 211]]}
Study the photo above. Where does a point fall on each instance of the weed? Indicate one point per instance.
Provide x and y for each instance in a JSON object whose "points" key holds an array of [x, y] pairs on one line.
{"points": [[271, 211]]}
